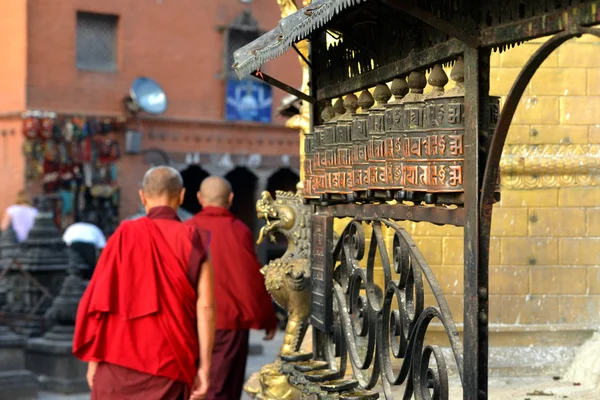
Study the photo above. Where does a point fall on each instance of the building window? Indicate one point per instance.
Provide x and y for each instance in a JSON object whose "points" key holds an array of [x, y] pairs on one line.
{"points": [[249, 99], [242, 31], [96, 41]]}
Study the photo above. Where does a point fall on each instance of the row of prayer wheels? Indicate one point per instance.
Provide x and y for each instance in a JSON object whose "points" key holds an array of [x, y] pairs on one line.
{"points": [[406, 149]]}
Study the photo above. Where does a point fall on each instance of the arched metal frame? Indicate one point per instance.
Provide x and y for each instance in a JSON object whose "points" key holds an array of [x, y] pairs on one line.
{"points": [[492, 167], [381, 326]]}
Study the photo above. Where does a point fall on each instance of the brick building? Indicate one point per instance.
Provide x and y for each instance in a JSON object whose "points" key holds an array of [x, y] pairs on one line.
{"points": [[78, 58]]}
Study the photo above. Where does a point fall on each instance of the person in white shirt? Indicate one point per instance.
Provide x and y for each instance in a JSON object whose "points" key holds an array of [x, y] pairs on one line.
{"points": [[86, 239], [21, 216]]}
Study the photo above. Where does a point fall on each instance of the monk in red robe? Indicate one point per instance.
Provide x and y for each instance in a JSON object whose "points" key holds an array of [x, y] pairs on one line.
{"points": [[146, 322], [242, 300]]}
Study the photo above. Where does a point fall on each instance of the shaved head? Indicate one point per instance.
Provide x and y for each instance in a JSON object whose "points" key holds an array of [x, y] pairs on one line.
{"points": [[215, 191], [162, 182]]}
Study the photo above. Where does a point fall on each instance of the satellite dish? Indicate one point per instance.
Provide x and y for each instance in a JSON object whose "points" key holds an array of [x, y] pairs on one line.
{"points": [[148, 96]]}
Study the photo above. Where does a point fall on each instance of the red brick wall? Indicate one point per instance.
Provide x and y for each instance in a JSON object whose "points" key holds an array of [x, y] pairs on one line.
{"points": [[13, 25], [131, 171], [12, 162], [221, 137], [175, 42]]}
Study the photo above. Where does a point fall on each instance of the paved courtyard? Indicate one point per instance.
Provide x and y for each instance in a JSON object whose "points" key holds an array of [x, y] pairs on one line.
{"points": [[255, 362], [535, 388]]}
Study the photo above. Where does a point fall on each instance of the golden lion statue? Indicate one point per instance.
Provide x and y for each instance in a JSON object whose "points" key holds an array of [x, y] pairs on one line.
{"points": [[288, 281]]}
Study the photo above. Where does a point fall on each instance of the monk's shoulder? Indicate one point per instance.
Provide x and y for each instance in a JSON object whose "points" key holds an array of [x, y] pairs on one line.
{"points": [[131, 225], [195, 221], [184, 229], [131, 229]]}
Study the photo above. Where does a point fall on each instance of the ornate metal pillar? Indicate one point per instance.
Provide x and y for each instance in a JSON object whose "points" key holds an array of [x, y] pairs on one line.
{"points": [[476, 242]]}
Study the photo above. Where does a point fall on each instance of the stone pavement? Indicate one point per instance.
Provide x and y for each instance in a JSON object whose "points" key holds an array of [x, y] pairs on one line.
{"points": [[539, 388], [268, 352], [532, 388]]}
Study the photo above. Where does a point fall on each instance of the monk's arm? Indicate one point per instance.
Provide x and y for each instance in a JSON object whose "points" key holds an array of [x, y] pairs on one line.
{"points": [[91, 372], [206, 314]]}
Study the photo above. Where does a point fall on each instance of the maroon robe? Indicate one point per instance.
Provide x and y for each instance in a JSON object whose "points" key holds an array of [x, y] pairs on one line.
{"points": [[242, 300], [137, 317]]}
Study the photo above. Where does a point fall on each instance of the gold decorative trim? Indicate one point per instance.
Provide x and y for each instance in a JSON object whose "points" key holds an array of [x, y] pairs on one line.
{"points": [[301, 121], [550, 165]]}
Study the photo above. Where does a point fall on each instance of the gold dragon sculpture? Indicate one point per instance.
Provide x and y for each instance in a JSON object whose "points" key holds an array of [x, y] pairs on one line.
{"points": [[288, 281], [287, 278]]}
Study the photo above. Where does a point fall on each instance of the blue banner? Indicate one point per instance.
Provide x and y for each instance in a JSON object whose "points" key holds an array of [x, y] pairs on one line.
{"points": [[248, 100]]}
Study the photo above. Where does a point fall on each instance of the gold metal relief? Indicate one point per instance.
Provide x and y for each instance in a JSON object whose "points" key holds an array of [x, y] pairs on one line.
{"points": [[550, 165]]}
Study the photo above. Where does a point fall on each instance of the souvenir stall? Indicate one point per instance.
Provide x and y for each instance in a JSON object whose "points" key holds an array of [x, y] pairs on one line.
{"points": [[74, 160]]}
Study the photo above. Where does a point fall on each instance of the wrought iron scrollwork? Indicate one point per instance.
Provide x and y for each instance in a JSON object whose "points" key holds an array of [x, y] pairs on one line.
{"points": [[374, 325]]}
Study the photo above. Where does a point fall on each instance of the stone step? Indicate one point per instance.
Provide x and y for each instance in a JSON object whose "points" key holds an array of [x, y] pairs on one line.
{"points": [[297, 356], [311, 365], [339, 385], [323, 375], [359, 395]]}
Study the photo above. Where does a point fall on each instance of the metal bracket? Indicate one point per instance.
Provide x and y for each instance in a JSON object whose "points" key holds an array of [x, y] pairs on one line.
{"points": [[302, 56], [286, 88]]}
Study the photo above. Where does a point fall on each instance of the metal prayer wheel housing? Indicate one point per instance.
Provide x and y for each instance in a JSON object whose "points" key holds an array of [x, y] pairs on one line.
{"points": [[394, 128], [341, 174], [308, 164], [413, 132], [329, 148], [377, 178], [360, 141], [411, 144], [317, 171], [326, 134], [329, 161], [442, 143]]}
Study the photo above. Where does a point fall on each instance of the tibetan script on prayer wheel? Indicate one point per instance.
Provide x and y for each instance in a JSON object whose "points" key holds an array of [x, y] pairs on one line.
{"points": [[376, 171], [413, 143], [318, 171], [309, 138]]}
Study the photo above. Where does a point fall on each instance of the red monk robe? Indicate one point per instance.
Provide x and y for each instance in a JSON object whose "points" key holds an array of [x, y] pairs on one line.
{"points": [[242, 301], [137, 317]]}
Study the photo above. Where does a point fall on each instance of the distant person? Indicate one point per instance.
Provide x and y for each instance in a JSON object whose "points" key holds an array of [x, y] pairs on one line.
{"points": [[21, 216], [145, 323], [242, 300], [86, 239]]}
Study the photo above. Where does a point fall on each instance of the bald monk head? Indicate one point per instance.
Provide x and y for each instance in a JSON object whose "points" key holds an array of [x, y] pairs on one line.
{"points": [[162, 186], [215, 192]]}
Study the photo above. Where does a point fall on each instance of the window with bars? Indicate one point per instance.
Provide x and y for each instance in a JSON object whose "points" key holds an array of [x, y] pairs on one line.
{"points": [[241, 32], [96, 47]]}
